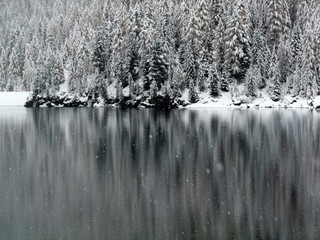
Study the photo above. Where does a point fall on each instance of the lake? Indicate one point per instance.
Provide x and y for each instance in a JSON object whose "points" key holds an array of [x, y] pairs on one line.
{"points": [[146, 174]]}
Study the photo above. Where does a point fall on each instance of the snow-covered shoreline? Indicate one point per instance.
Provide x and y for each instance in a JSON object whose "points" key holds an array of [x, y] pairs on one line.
{"points": [[19, 99]]}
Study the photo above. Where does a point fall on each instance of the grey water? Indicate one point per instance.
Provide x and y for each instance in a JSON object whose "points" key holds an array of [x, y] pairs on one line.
{"points": [[146, 174]]}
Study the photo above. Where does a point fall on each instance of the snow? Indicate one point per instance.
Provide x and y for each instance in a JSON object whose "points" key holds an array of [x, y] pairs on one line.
{"points": [[13, 99], [18, 99], [261, 101]]}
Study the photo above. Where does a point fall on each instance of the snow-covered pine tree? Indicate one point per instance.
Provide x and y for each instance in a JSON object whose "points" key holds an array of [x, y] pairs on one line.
{"points": [[193, 95], [29, 74], [102, 48], [39, 83], [131, 86], [237, 45], [202, 15], [214, 80], [260, 54], [302, 13], [274, 77], [278, 21], [13, 71], [48, 74], [131, 59], [285, 59], [206, 60], [219, 45], [178, 79], [3, 81], [224, 85], [119, 89], [308, 62], [157, 65], [202, 76], [190, 62], [153, 89], [50, 38], [147, 28], [99, 50], [216, 13], [101, 86], [252, 77], [308, 78], [296, 44], [308, 46], [20, 51]]}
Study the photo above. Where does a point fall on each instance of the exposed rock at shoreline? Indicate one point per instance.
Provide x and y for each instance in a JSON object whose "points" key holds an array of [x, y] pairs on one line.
{"points": [[159, 102]]}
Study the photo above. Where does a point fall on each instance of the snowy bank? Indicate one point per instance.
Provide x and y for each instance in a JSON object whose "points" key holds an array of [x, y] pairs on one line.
{"points": [[238, 99], [13, 99]]}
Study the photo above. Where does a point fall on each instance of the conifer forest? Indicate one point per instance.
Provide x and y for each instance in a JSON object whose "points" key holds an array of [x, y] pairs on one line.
{"points": [[133, 49]]}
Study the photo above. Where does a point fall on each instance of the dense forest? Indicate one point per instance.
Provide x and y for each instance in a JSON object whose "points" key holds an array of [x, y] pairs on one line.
{"points": [[167, 47]]}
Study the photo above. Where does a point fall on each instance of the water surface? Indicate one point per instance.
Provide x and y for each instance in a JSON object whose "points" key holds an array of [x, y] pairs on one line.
{"points": [[145, 174]]}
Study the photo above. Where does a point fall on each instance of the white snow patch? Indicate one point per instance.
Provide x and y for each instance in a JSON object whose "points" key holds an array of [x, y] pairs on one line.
{"points": [[63, 88], [261, 101], [13, 99]]}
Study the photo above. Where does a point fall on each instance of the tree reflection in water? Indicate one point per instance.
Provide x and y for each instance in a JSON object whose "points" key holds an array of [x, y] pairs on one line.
{"points": [[146, 174]]}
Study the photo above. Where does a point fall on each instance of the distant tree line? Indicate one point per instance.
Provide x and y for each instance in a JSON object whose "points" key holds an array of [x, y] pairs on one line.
{"points": [[162, 46]]}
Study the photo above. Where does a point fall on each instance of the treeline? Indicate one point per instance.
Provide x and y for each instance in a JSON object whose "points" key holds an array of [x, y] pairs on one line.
{"points": [[161, 47]]}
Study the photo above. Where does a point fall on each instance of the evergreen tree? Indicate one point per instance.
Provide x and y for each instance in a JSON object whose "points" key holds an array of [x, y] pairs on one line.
{"points": [[153, 89], [252, 77], [3, 81], [214, 80], [132, 59], [219, 45], [131, 86], [102, 86], [237, 43], [29, 74], [302, 16], [296, 44], [119, 91], [39, 84], [99, 50], [278, 21], [274, 78], [224, 85], [217, 13], [193, 96], [308, 78], [13, 73], [285, 59], [206, 60], [157, 67], [178, 79], [260, 54], [102, 51], [190, 63]]}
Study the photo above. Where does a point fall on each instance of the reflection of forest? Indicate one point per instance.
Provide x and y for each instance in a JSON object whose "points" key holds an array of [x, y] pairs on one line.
{"points": [[143, 174]]}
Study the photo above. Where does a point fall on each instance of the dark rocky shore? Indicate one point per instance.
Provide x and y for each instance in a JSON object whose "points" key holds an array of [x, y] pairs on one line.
{"points": [[159, 102]]}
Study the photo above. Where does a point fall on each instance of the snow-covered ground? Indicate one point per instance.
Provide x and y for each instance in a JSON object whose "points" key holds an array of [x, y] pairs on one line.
{"points": [[18, 99], [13, 99], [261, 101]]}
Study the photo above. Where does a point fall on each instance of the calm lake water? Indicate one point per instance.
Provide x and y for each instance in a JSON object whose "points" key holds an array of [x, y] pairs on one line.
{"points": [[145, 174]]}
